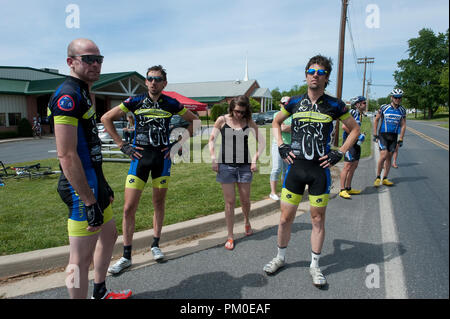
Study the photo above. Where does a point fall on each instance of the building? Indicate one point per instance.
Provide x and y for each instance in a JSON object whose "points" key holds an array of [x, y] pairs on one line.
{"points": [[25, 92]]}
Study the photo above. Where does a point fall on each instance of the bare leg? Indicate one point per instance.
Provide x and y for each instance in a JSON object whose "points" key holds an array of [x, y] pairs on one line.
{"points": [[104, 250], [288, 212], [229, 194], [159, 201], [132, 197], [318, 228], [244, 195]]}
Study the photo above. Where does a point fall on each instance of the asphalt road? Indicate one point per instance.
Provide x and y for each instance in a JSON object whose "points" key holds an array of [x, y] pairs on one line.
{"points": [[27, 150], [384, 243]]}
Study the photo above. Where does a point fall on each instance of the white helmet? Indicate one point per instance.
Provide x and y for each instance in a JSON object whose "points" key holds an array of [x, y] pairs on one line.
{"points": [[397, 93], [284, 100]]}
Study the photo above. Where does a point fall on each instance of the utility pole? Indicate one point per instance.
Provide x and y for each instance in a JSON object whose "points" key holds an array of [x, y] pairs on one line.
{"points": [[365, 60], [340, 75]]}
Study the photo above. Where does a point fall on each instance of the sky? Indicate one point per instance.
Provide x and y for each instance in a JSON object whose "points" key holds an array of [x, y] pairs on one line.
{"points": [[210, 40]]}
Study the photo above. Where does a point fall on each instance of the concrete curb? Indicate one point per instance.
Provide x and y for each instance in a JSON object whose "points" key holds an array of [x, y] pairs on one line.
{"points": [[50, 258]]}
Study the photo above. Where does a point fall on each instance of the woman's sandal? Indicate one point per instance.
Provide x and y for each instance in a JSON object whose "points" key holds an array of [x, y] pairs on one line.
{"points": [[248, 230], [229, 244]]}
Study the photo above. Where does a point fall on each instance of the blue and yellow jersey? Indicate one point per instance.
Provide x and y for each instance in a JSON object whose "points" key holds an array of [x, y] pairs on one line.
{"points": [[391, 117], [313, 124], [152, 118]]}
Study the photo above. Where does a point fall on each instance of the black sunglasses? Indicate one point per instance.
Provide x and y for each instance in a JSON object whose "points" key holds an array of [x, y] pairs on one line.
{"points": [[90, 58], [157, 79], [240, 112]]}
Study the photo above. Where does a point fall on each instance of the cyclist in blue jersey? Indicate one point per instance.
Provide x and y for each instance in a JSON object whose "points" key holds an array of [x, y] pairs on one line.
{"points": [[82, 185], [310, 157], [351, 157], [392, 117], [150, 152]]}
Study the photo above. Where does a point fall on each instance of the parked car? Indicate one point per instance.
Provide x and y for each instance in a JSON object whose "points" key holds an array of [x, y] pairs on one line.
{"points": [[104, 135], [178, 121], [268, 116], [258, 118]]}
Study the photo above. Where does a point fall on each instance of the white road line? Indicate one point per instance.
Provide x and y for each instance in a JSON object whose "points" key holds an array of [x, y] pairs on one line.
{"points": [[394, 278]]}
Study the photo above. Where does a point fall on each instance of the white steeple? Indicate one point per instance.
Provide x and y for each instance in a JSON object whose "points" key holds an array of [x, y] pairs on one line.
{"points": [[246, 69]]}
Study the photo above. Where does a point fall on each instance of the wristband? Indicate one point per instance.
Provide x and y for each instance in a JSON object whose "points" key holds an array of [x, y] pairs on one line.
{"points": [[375, 137], [94, 215]]}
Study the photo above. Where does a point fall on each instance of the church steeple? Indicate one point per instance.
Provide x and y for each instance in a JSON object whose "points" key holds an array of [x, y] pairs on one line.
{"points": [[246, 69]]}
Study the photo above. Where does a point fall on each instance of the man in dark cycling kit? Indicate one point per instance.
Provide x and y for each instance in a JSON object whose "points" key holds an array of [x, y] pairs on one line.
{"points": [[82, 185], [150, 152], [392, 116], [309, 157]]}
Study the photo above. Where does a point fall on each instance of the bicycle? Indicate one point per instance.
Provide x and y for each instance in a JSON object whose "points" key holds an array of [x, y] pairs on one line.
{"points": [[30, 171], [37, 131]]}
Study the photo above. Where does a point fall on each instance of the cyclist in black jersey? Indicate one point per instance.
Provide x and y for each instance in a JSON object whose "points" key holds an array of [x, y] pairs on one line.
{"points": [[82, 185], [150, 152], [310, 158]]}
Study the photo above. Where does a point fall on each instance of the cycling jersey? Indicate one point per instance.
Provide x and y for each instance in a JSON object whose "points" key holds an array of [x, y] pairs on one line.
{"points": [[358, 118], [391, 118], [152, 119], [312, 125], [311, 130], [72, 105]]}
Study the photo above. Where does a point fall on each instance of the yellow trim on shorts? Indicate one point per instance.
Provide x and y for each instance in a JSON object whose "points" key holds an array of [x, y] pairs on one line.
{"points": [[290, 197], [77, 228], [319, 200], [161, 182], [134, 182], [68, 120]]}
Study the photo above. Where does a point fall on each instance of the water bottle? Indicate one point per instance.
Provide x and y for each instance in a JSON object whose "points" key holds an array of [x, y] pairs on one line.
{"points": [[361, 138]]}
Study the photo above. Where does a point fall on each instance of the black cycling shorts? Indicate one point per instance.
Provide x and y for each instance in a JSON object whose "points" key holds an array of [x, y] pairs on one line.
{"points": [[152, 161], [387, 141], [302, 173], [353, 154]]}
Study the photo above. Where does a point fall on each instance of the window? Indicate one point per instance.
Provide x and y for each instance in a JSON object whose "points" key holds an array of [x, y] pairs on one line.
{"points": [[2, 119], [14, 118]]}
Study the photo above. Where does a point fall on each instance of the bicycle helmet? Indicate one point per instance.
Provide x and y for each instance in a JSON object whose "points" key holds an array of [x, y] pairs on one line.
{"points": [[397, 93], [356, 100]]}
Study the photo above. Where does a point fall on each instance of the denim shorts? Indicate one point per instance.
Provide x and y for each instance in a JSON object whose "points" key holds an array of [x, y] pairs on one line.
{"points": [[234, 174]]}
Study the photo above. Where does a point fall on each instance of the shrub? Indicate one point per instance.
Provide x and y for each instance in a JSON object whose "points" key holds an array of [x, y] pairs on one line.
{"points": [[218, 110], [24, 129]]}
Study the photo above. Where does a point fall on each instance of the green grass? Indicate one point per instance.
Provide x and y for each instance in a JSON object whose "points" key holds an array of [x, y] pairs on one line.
{"points": [[32, 215]]}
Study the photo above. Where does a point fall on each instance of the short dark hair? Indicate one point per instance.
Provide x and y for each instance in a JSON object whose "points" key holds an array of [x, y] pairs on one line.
{"points": [[242, 101], [158, 68], [327, 63]]}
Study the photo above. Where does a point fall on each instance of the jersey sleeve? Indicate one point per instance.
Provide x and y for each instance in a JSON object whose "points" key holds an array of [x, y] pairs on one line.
{"points": [[64, 108], [131, 104], [342, 111]]}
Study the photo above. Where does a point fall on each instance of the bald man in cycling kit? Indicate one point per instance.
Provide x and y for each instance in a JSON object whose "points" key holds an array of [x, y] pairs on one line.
{"points": [[82, 185], [310, 157], [392, 116], [151, 151]]}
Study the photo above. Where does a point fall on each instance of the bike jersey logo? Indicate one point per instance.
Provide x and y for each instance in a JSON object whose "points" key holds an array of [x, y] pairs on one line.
{"points": [[163, 182], [66, 103]]}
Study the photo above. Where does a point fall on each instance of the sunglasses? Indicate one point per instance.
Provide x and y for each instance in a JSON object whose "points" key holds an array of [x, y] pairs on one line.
{"points": [[397, 96], [319, 71], [157, 79], [239, 112], [90, 58]]}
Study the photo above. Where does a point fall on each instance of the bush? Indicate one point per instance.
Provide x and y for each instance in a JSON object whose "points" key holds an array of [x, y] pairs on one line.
{"points": [[8, 134], [218, 110], [24, 129]]}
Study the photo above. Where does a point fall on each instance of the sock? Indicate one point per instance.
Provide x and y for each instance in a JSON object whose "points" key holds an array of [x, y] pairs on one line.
{"points": [[348, 188], [99, 290], [127, 252], [379, 177], [343, 189], [282, 253], [155, 242], [314, 260], [384, 177]]}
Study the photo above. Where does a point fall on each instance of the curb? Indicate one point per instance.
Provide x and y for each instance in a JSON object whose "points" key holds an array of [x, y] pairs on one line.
{"points": [[50, 258]]}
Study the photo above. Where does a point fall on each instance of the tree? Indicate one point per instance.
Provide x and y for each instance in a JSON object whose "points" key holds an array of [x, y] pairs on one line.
{"points": [[419, 76]]}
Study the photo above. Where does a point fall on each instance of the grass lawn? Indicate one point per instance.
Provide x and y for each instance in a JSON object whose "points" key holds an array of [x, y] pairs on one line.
{"points": [[32, 215]]}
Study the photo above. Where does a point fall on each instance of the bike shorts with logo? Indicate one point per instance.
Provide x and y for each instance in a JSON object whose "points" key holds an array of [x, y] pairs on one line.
{"points": [[387, 141], [302, 173], [353, 154], [77, 221], [152, 161]]}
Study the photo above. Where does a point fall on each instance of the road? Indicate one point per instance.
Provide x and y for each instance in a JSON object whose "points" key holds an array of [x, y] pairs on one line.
{"points": [[384, 243], [27, 150]]}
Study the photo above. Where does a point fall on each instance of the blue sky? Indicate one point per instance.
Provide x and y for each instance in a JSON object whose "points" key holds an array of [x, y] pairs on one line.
{"points": [[208, 40]]}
